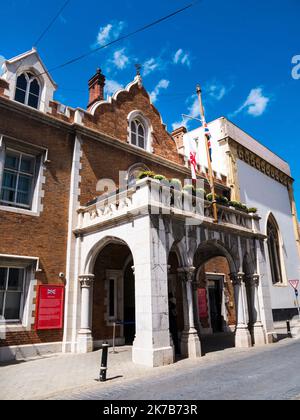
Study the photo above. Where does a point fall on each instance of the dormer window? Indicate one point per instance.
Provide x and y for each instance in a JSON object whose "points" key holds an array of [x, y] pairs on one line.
{"points": [[28, 90], [138, 137]]}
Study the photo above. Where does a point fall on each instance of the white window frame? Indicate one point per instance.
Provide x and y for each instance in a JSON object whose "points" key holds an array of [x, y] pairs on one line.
{"points": [[30, 265], [137, 116], [117, 277], [27, 92], [113, 280], [41, 157], [19, 319], [19, 173]]}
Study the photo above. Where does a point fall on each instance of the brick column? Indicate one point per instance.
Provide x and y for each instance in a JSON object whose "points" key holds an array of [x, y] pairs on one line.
{"points": [[190, 343], [242, 335], [84, 336]]}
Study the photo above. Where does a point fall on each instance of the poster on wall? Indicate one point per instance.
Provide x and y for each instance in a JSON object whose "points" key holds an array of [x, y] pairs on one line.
{"points": [[50, 308], [202, 303]]}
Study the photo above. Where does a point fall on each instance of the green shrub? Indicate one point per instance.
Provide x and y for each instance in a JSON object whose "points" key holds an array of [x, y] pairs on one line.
{"points": [[146, 174], [222, 200], [176, 184], [252, 210], [189, 188], [160, 178]]}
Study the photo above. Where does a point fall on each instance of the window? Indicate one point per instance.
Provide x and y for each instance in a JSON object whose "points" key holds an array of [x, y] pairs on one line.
{"points": [[11, 293], [112, 298], [28, 90], [18, 179], [274, 250], [138, 136]]}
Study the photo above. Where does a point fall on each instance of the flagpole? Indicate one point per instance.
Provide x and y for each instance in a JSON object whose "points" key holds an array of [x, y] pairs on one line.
{"points": [[210, 170]]}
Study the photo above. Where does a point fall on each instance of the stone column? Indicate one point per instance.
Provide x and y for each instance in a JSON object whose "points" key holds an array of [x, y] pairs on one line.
{"points": [[152, 345], [190, 343], [258, 329], [84, 336], [242, 335]]}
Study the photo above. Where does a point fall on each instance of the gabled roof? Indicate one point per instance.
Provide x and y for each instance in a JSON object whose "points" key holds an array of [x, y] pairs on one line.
{"points": [[23, 56]]}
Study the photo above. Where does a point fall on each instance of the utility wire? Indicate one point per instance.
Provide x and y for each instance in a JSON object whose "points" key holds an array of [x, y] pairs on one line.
{"points": [[44, 33], [51, 23], [143, 28]]}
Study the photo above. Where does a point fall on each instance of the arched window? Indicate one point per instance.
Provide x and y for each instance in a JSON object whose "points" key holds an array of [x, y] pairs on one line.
{"points": [[28, 90], [274, 247], [134, 171], [138, 134]]}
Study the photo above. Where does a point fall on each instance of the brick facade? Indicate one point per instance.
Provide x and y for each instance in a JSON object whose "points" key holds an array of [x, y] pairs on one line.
{"points": [[45, 236]]}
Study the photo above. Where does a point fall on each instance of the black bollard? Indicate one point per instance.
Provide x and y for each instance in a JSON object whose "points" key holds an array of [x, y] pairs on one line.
{"points": [[103, 370], [288, 325]]}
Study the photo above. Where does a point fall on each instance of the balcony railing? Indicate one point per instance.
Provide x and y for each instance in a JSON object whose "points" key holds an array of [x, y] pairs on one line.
{"points": [[149, 196]]}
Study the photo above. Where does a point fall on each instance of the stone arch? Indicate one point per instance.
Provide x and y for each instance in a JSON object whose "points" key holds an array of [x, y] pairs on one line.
{"points": [[214, 248], [98, 247]]}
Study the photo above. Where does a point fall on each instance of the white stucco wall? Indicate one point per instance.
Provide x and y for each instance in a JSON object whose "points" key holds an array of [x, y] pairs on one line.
{"points": [[258, 190]]}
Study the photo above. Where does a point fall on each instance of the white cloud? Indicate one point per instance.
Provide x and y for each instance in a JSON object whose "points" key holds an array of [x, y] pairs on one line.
{"points": [[121, 60], [217, 91], [256, 103], [177, 56], [193, 111], [163, 84], [150, 65], [112, 86], [109, 32], [181, 57]]}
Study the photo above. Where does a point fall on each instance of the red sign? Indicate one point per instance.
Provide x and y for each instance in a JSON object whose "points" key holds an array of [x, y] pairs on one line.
{"points": [[202, 303], [294, 284], [50, 308]]}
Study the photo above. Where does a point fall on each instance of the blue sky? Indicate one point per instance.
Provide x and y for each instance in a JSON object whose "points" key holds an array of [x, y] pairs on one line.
{"points": [[240, 51]]}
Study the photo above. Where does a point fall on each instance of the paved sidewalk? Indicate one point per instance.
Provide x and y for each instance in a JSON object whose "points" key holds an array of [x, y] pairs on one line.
{"points": [[53, 375]]}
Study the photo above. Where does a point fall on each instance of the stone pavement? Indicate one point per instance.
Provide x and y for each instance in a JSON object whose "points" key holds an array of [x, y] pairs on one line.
{"points": [[56, 375]]}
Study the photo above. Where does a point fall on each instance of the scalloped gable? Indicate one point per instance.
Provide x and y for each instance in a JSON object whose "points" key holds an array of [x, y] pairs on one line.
{"points": [[111, 117], [137, 81]]}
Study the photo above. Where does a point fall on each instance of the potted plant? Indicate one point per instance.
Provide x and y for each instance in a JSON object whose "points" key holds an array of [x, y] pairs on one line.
{"points": [[252, 210], [146, 174]]}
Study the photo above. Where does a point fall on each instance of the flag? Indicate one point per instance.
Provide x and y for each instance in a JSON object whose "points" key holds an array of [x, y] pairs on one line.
{"points": [[208, 137], [191, 148], [193, 163]]}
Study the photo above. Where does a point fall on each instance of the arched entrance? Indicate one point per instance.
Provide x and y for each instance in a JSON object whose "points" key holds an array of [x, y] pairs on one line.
{"points": [[175, 296], [113, 295], [215, 308]]}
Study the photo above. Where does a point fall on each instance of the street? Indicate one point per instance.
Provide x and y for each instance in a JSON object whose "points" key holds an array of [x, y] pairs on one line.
{"points": [[271, 374]]}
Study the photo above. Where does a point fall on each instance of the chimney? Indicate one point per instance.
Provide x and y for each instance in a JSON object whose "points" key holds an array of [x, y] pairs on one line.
{"points": [[178, 137], [96, 88]]}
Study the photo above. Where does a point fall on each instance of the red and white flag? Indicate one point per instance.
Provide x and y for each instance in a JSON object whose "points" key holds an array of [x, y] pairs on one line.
{"points": [[192, 153]]}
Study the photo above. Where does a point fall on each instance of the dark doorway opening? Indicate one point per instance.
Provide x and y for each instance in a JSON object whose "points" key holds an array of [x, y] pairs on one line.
{"points": [[215, 303], [129, 305]]}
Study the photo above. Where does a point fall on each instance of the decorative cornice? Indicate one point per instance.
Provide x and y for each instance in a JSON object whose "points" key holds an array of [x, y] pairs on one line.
{"points": [[262, 165], [237, 278], [86, 281], [188, 273]]}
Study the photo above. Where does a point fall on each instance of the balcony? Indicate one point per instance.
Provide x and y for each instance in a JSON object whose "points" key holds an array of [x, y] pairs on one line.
{"points": [[149, 196]]}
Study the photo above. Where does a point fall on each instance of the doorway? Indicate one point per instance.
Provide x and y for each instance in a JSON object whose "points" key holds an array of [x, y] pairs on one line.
{"points": [[129, 305], [215, 294]]}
